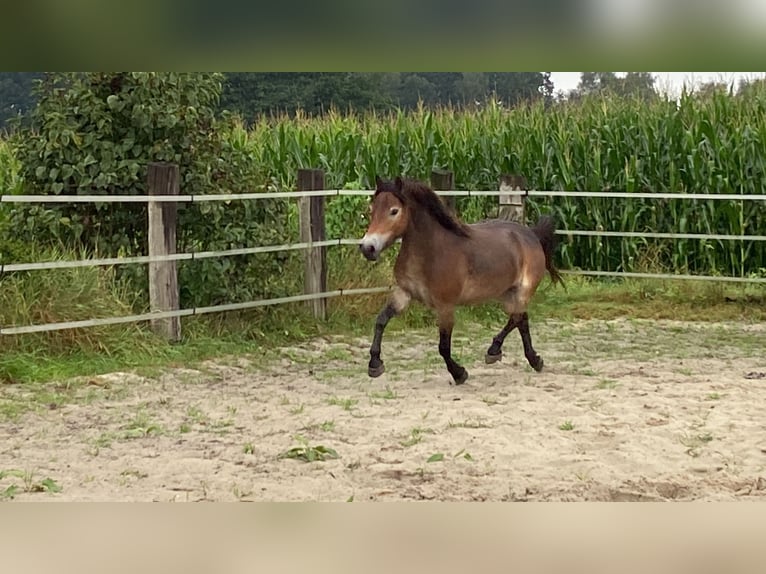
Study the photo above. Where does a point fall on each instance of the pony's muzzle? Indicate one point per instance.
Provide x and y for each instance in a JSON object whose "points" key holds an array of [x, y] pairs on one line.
{"points": [[369, 251], [371, 245]]}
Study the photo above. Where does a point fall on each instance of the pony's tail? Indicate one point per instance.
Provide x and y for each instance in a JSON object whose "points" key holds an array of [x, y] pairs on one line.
{"points": [[545, 230]]}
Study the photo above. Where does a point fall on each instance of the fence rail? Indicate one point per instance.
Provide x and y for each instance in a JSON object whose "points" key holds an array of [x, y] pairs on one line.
{"points": [[191, 256], [197, 255], [187, 312], [636, 275], [366, 192], [658, 235], [314, 242]]}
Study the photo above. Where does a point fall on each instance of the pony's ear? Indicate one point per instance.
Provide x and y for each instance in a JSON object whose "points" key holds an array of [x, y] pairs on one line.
{"points": [[378, 181], [399, 183]]}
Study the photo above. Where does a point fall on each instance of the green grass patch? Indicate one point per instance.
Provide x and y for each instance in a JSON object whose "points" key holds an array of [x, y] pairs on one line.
{"points": [[416, 436], [387, 395], [309, 453], [607, 384], [346, 404], [15, 481]]}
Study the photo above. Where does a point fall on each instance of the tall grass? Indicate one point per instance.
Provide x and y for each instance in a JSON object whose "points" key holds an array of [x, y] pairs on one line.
{"points": [[10, 181], [38, 297]]}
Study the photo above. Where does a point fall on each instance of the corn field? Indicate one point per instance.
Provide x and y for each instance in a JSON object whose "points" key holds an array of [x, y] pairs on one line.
{"points": [[712, 144], [715, 144]]}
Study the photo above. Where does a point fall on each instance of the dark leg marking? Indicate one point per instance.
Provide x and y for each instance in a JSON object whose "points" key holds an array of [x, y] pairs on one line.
{"points": [[376, 366], [495, 351], [459, 374], [535, 360]]}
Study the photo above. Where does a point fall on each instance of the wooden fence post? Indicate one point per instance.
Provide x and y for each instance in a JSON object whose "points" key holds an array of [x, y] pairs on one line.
{"points": [[512, 206], [443, 180], [163, 179], [312, 228]]}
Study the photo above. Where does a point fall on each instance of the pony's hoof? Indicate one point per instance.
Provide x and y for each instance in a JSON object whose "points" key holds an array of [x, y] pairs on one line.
{"points": [[376, 371], [461, 378], [537, 364], [489, 359]]}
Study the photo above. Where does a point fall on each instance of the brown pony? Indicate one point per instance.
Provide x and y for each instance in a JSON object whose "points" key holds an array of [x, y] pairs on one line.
{"points": [[444, 263]]}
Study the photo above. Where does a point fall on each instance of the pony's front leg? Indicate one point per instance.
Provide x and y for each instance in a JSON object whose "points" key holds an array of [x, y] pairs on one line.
{"points": [[446, 324], [396, 304]]}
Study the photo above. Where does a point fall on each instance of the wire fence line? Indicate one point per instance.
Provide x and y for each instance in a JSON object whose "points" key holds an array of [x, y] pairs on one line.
{"points": [[636, 275], [659, 235], [187, 312], [190, 256], [197, 255]]}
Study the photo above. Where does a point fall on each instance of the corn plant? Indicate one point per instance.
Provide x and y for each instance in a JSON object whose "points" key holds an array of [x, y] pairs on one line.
{"points": [[714, 144]]}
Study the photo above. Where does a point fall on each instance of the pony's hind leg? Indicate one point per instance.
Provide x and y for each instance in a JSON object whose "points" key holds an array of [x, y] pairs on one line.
{"points": [[446, 324], [396, 304], [515, 305], [520, 320], [535, 360], [495, 351]]}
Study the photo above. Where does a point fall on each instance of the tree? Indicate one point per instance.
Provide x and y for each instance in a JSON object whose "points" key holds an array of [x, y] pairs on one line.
{"points": [[345, 91], [748, 87], [415, 88], [596, 82], [711, 89], [473, 86], [514, 87], [633, 84], [252, 94], [16, 94], [640, 84], [547, 88], [446, 88]]}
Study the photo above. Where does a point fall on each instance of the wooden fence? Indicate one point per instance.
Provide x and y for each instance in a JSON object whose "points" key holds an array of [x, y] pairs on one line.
{"points": [[164, 194]]}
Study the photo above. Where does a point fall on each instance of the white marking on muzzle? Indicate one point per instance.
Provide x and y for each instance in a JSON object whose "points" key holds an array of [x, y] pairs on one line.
{"points": [[375, 240]]}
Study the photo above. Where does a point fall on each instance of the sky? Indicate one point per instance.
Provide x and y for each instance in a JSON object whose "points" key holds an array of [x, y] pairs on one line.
{"points": [[664, 81]]}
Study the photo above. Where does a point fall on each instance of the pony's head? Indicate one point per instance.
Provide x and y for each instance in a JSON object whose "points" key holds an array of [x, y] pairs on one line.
{"points": [[389, 217]]}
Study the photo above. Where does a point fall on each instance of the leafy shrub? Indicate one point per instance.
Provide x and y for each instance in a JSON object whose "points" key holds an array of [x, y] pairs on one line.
{"points": [[96, 133], [346, 215]]}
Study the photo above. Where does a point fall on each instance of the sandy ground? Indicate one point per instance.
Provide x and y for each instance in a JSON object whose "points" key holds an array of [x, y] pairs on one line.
{"points": [[623, 411]]}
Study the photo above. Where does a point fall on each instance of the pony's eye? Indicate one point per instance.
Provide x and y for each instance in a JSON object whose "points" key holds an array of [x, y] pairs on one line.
{"points": [[394, 211]]}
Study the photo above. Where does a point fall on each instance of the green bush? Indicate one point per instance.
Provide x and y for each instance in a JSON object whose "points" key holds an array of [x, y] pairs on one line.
{"points": [[96, 133]]}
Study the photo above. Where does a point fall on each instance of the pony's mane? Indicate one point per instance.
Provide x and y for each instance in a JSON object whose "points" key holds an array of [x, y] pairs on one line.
{"points": [[410, 191]]}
